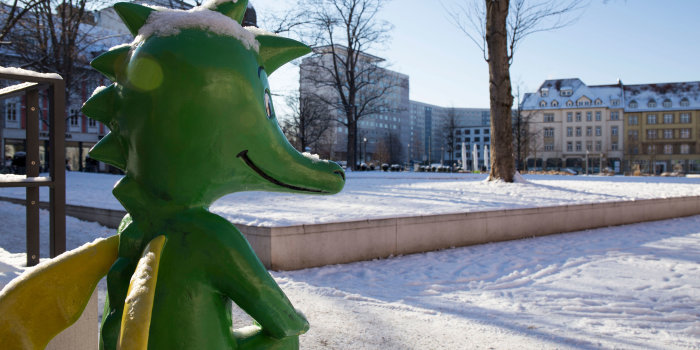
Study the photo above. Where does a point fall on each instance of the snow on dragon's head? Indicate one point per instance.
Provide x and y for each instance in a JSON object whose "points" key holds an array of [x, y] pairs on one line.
{"points": [[190, 110]]}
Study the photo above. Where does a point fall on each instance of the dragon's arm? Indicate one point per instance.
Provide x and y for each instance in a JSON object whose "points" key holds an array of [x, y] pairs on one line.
{"points": [[244, 279]]}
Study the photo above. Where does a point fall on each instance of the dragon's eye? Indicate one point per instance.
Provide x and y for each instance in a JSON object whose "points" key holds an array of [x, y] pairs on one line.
{"points": [[268, 104]]}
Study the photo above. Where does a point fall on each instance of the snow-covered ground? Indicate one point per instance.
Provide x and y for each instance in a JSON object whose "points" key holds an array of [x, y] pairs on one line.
{"points": [[628, 287], [381, 195]]}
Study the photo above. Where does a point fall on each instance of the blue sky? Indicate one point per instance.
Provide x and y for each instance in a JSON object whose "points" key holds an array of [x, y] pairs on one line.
{"points": [[638, 41]]}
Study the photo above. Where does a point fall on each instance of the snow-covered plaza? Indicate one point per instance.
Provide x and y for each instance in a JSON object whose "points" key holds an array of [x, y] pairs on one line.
{"points": [[628, 287]]}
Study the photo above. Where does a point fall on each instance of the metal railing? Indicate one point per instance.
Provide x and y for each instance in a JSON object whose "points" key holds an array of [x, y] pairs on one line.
{"points": [[56, 182]]}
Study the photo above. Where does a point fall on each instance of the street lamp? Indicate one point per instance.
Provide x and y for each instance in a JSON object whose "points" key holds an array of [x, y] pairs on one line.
{"points": [[586, 161]]}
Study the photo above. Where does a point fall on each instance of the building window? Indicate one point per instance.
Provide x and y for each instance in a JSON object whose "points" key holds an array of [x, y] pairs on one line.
{"points": [[476, 139], [633, 104], [569, 103], [459, 139], [613, 130], [458, 132], [569, 117], [614, 115], [555, 103], [651, 134], [543, 104], [566, 92], [633, 120], [685, 133], [569, 131], [467, 132], [668, 149], [74, 120], [549, 147], [685, 102], [668, 133], [597, 116], [667, 103], [685, 149], [613, 146], [651, 104], [486, 139], [589, 131], [633, 135], [598, 131], [569, 146], [578, 131], [477, 132], [579, 148], [685, 118], [92, 123], [549, 117], [589, 146], [544, 92], [668, 118], [598, 102], [11, 112], [615, 102], [589, 116], [651, 149], [651, 119], [578, 116], [598, 146], [549, 132]]}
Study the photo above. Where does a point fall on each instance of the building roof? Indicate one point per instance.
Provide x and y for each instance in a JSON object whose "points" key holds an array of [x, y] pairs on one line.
{"points": [[565, 93], [674, 93]]}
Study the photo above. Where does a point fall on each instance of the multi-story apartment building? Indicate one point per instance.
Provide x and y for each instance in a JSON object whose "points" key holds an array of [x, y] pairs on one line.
{"points": [[661, 127], [570, 122], [382, 135], [429, 126]]}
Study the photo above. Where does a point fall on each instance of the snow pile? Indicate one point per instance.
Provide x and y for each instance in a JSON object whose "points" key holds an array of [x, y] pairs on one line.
{"points": [[169, 22], [20, 71], [22, 178]]}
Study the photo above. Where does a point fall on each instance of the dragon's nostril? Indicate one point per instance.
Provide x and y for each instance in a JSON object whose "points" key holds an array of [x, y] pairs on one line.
{"points": [[340, 173]]}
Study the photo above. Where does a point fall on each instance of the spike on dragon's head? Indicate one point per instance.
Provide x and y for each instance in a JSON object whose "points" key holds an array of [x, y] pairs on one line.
{"points": [[190, 110]]}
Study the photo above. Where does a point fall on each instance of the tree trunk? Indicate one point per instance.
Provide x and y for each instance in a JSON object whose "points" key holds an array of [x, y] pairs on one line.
{"points": [[352, 145], [501, 98]]}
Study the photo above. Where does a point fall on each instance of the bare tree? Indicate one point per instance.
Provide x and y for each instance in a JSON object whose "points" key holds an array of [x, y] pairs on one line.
{"points": [[11, 13], [449, 126], [497, 27], [521, 131], [308, 123], [343, 74], [60, 36]]}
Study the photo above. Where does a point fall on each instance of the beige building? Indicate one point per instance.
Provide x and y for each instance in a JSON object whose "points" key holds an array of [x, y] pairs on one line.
{"points": [[572, 125]]}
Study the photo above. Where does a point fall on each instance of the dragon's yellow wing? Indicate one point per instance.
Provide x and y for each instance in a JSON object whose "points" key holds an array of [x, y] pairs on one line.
{"points": [[47, 299]]}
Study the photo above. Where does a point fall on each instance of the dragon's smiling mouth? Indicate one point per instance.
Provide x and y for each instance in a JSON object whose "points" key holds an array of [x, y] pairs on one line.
{"points": [[244, 155]]}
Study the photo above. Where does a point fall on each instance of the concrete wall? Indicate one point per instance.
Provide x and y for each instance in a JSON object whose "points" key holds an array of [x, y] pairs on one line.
{"points": [[82, 335], [303, 246]]}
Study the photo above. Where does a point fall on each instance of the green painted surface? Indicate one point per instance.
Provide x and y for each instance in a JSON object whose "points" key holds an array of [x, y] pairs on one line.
{"points": [[191, 120]]}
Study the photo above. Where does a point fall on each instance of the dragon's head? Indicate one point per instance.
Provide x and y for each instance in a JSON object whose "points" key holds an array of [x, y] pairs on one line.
{"points": [[190, 110]]}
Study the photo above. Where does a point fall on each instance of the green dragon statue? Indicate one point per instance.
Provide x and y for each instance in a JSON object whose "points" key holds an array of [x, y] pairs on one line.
{"points": [[191, 120]]}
